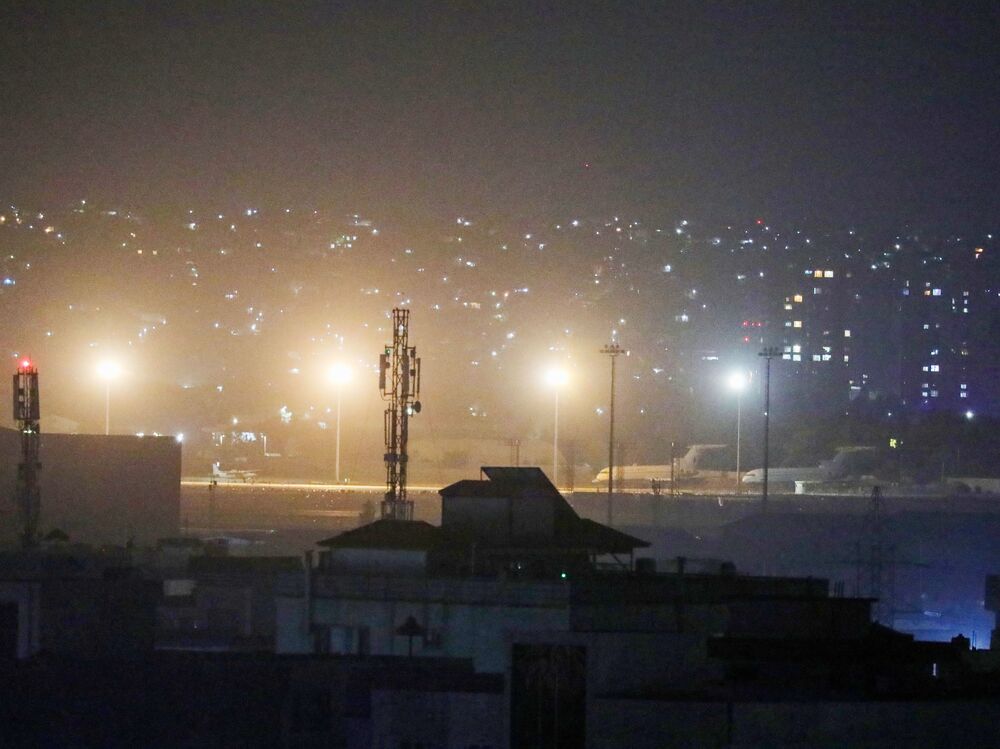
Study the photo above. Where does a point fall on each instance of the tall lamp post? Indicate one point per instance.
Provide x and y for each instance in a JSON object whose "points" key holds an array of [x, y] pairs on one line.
{"points": [[340, 374], [738, 382], [108, 371], [767, 354], [556, 378], [611, 350]]}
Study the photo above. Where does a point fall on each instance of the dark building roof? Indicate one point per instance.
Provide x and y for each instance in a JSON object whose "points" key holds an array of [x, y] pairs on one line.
{"points": [[409, 535], [503, 480], [212, 565], [569, 530]]}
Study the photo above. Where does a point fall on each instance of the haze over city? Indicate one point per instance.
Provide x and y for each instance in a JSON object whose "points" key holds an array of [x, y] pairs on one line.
{"points": [[515, 374], [228, 200]]}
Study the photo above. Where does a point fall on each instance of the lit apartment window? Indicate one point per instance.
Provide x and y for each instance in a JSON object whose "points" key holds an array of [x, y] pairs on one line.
{"points": [[828, 274], [817, 274], [935, 367], [797, 349], [796, 357], [936, 292], [846, 358], [847, 334], [797, 324], [963, 386], [934, 393], [797, 298], [963, 394], [927, 326], [788, 307], [827, 357], [816, 357]]}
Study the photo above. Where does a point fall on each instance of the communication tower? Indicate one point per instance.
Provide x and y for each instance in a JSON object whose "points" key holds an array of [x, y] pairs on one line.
{"points": [[880, 563], [399, 383], [27, 414]]}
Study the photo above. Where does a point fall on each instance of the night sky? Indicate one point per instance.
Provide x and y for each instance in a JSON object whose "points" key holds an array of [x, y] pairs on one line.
{"points": [[840, 113]]}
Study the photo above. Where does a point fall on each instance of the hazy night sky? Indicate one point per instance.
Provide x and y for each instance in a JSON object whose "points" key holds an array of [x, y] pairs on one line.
{"points": [[874, 113]]}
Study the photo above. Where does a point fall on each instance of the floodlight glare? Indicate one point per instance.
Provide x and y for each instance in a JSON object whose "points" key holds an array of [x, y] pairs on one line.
{"points": [[556, 377]]}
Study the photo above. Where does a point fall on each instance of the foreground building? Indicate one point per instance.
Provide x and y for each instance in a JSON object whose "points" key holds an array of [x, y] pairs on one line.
{"points": [[121, 490], [598, 649]]}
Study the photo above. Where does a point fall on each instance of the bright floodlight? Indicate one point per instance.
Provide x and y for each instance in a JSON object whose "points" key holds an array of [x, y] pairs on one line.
{"points": [[738, 381], [556, 377], [108, 370], [340, 374], [970, 415]]}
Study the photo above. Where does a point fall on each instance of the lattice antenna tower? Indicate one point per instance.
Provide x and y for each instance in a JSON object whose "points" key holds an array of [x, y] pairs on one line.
{"points": [[399, 383], [27, 414]]}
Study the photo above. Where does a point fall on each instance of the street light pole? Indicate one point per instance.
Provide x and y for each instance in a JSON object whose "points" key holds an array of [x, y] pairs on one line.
{"points": [[738, 382], [556, 378], [108, 371], [555, 445], [739, 414], [107, 408], [340, 388], [339, 374], [612, 350], [768, 353]]}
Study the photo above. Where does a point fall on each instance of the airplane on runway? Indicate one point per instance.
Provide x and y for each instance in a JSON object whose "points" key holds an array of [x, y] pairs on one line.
{"points": [[233, 474], [699, 463], [849, 462]]}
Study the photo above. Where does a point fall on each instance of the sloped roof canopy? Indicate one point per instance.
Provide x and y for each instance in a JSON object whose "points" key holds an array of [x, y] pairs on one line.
{"points": [[519, 507], [400, 535], [514, 508]]}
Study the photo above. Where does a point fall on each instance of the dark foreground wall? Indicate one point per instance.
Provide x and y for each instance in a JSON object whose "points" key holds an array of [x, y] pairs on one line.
{"points": [[100, 490]]}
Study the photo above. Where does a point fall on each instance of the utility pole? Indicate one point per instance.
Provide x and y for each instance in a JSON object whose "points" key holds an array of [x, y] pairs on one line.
{"points": [[399, 383], [212, 486], [515, 450], [27, 414], [673, 460], [768, 353], [612, 350]]}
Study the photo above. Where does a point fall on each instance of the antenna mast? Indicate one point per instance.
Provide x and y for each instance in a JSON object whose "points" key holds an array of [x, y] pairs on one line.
{"points": [[27, 414], [399, 383]]}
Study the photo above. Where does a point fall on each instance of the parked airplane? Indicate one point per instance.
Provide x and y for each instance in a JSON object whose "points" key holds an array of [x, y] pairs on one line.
{"points": [[849, 462], [247, 477], [698, 463]]}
